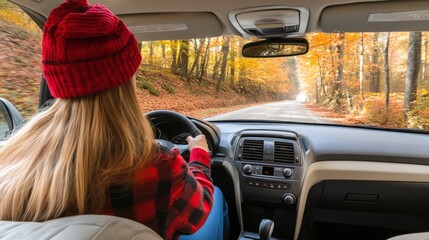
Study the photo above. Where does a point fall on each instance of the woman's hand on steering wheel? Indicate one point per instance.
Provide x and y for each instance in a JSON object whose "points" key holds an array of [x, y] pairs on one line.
{"points": [[197, 142]]}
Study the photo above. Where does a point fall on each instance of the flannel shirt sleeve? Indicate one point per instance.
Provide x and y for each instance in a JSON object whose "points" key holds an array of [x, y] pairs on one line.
{"points": [[191, 194]]}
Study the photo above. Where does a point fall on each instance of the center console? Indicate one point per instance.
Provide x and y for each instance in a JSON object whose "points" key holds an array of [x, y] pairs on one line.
{"points": [[271, 169]]}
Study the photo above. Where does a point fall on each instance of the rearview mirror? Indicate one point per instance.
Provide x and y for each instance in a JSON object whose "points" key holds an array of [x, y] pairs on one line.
{"points": [[279, 47]]}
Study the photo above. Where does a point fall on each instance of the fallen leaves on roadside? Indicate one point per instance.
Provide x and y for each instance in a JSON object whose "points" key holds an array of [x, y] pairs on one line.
{"points": [[332, 115], [192, 98]]}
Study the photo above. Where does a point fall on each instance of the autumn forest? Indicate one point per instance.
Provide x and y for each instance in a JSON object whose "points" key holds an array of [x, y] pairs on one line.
{"points": [[376, 78]]}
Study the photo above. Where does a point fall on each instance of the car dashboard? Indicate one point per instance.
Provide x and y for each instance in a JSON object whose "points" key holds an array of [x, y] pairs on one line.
{"points": [[321, 181]]}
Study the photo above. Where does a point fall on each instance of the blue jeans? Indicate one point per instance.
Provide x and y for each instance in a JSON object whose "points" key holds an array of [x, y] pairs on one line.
{"points": [[216, 226]]}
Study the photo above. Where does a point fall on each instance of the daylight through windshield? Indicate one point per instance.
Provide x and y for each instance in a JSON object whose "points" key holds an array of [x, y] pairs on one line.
{"points": [[375, 79]]}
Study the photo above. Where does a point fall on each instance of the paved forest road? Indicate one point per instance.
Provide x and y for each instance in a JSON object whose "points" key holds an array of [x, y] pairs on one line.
{"points": [[293, 111]]}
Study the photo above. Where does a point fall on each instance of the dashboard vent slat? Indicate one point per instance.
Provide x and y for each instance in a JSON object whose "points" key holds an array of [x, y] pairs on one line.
{"points": [[253, 150], [284, 152]]}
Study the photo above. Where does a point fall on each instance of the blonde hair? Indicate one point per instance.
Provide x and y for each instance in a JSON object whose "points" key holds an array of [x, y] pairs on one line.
{"points": [[66, 158]]}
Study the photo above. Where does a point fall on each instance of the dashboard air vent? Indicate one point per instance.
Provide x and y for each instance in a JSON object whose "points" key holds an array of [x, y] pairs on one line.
{"points": [[253, 150], [284, 152]]}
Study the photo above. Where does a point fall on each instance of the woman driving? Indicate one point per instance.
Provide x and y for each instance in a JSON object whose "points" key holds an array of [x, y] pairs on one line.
{"points": [[93, 150]]}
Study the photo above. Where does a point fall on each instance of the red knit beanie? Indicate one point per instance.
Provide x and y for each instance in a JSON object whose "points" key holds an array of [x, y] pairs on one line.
{"points": [[86, 49]]}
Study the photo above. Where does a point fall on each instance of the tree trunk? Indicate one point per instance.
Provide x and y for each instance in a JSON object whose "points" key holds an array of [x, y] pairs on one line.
{"points": [[173, 47], [375, 75], [322, 77], [424, 58], [197, 67], [241, 78], [386, 69], [232, 66], [413, 67], [151, 50], [164, 59], [292, 74], [338, 85], [225, 52], [361, 65], [215, 75], [349, 100], [205, 60], [331, 54], [198, 50], [184, 58], [317, 90]]}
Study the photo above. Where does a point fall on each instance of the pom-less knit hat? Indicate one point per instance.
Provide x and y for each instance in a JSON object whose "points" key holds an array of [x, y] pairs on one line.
{"points": [[86, 49]]}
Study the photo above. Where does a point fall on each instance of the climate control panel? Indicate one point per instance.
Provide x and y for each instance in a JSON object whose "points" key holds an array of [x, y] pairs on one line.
{"points": [[265, 170], [270, 182], [270, 165]]}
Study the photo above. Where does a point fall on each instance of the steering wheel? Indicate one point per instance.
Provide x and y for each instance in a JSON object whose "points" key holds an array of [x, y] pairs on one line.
{"points": [[166, 115]]}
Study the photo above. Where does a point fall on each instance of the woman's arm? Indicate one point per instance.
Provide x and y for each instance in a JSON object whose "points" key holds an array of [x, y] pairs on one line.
{"points": [[191, 194]]}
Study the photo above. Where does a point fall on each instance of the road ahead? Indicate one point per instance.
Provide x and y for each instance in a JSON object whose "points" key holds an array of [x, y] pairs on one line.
{"points": [[293, 111]]}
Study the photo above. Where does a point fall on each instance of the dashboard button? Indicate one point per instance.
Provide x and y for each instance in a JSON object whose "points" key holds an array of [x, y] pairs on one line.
{"points": [[289, 198], [257, 167], [287, 172], [247, 169], [278, 172], [268, 185]]}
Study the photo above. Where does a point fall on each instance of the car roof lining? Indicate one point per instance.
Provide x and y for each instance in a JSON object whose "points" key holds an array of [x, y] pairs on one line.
{"points": [[326, 15]]}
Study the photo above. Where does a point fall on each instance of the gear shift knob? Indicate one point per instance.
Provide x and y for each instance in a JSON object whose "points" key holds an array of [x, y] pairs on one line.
{"points": [[266, 228]]}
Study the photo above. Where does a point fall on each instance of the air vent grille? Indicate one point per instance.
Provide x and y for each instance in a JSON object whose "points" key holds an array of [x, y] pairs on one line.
{"points": [[253, 150], [284, 152]]}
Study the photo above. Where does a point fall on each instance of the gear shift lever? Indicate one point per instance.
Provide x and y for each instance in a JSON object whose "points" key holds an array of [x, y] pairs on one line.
{"points": [[266, 228]]}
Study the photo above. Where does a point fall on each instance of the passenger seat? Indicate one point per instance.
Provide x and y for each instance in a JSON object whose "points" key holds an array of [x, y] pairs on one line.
{"points": [[83, 227], [413, 236]]}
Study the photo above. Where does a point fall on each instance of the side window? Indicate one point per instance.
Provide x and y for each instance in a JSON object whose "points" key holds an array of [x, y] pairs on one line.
{"points": [[4, 123], [20, 60], [10, 119]]}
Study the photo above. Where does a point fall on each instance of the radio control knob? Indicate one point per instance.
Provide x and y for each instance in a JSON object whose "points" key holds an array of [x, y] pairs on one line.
{"points": [[247, 169], [287, 172], [289, 198]]}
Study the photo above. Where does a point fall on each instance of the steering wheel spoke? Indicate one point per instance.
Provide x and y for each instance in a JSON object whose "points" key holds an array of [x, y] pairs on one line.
{"points": [[189, 127], [183, 149], [168, 146]]}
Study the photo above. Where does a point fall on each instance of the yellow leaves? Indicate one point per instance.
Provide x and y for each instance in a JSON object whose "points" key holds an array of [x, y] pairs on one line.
{"points": [[377, 114], [423, 92], [18, 18]]}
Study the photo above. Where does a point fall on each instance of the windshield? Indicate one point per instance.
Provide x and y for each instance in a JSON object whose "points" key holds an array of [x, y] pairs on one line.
{"points": [[377, 79]]}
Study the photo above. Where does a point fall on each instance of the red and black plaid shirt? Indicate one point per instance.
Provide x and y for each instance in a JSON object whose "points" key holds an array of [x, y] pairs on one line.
{"points": [[171, 197]]}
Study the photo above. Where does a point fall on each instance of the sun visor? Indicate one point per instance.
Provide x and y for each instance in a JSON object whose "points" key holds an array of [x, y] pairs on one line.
{"points": [[169, 26], [386, 16]]}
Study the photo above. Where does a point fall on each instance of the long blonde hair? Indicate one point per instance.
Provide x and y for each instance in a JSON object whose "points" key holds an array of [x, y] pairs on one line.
{"points": [[64, 160]]}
